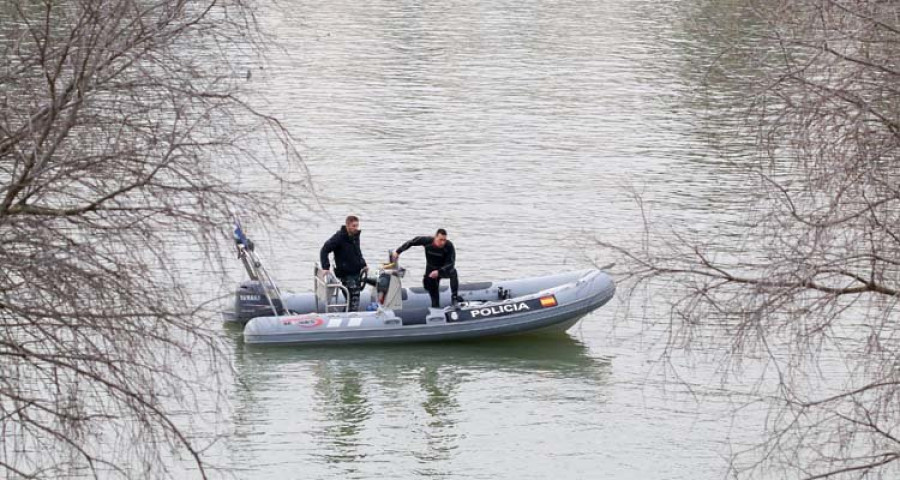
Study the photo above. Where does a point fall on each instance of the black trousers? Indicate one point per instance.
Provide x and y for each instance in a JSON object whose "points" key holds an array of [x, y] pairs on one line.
{"points": [[431, 285], [354, 286]]}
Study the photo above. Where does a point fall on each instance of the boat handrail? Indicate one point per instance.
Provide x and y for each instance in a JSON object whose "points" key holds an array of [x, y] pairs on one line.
{"points": [[327, 289]]}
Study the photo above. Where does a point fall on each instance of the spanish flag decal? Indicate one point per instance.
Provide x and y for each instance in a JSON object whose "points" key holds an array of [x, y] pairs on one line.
{"points": [[548, 301]]}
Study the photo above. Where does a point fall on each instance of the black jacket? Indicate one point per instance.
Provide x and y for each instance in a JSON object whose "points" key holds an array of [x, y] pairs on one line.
{"points": [[443, 259], [348, 257]]}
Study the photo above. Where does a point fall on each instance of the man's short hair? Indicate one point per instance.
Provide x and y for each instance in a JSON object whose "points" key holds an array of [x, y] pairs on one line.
{"points": [[350, 219], [441, 231]]}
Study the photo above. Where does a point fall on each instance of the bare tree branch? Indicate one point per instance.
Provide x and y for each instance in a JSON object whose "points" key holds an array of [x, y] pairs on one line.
{"points": [[124, 143], [809, 276]]}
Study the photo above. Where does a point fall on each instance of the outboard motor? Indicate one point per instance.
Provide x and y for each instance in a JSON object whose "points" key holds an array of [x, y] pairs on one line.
{"points": [[250, 302], [258, 297]]}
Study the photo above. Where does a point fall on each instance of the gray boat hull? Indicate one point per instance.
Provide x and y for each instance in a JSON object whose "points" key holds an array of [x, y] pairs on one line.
{"points": [[541, 304], [249, 302]]}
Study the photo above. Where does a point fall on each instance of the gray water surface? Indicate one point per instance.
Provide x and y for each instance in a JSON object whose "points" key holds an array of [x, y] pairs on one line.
{"points": [[519, 127]]}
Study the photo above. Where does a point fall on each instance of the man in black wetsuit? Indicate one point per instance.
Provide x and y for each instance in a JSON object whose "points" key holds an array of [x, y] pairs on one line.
{"points": [[348, 258], [440, 262]]}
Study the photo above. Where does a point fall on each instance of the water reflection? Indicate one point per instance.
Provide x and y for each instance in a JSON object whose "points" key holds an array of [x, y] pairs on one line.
{"points": [[559, 356], [440, 404], [362, 404], [340, 399]]}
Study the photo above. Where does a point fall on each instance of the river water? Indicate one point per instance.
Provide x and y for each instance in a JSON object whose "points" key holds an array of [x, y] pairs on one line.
{"points": [[519, 127]]}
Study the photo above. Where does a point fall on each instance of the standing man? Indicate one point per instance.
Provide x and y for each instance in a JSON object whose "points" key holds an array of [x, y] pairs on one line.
{"points": [[440, 262], [348, 259]]}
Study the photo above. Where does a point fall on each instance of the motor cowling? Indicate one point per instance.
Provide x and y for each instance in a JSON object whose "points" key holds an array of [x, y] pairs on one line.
{"points": [[250, 301]]}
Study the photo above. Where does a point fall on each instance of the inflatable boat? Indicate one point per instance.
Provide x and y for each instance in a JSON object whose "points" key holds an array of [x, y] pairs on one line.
{"points": [[389, 312]]}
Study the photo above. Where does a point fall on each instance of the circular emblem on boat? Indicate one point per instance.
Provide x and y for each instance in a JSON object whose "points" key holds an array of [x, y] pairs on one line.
{"points": [[311, 322], [304, 322], [454, 316]]}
